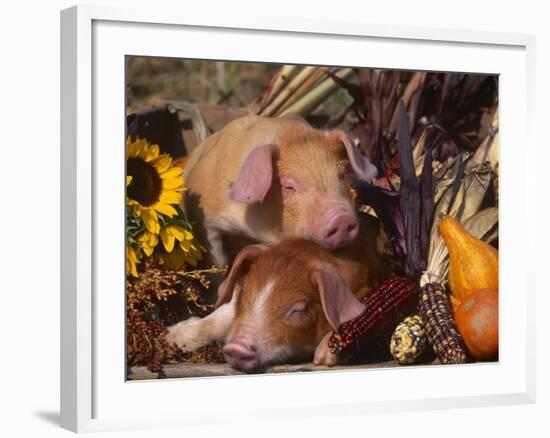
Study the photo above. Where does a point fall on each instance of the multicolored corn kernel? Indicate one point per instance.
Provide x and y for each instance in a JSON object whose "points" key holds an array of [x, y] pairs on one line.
{"points": [[434, 308], [408, 340]]}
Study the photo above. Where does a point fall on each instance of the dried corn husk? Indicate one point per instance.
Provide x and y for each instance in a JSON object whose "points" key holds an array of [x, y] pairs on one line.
{"points": [[488, 150], [462, 200], [418, 153]]}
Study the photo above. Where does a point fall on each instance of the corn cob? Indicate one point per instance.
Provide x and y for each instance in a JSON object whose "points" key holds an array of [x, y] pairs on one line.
{"points": [[434, 308], [385, 306], [408, 340]]}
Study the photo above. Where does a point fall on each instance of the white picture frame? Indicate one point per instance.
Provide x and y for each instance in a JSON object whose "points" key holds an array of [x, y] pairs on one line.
{"points": [[94, 395]]}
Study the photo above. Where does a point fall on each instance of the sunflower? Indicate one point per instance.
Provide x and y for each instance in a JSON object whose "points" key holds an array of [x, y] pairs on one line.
{"points": [[153, 184]]}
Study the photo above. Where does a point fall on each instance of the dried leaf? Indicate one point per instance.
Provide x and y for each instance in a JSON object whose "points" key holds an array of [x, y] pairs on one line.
{"points": [[426, 206], [410, 195]]}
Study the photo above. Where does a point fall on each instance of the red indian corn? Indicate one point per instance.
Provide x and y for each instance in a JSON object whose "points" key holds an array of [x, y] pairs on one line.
{"points": [[385, 306]]}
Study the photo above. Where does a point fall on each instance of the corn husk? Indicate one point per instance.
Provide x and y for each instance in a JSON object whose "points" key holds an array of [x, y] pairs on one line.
{"points": [[464, 199], [418, 153], [488, 150]]}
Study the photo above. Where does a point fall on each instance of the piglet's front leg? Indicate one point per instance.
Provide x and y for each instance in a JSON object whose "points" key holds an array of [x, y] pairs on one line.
{"points": [[194, 333], [217, 251]]}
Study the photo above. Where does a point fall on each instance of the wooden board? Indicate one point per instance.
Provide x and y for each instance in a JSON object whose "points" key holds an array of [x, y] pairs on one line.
{"points": [[223, 369]]}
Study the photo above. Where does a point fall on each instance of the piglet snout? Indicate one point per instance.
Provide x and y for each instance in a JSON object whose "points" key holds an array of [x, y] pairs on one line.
{"points": [[240, 352], [340, 229]]}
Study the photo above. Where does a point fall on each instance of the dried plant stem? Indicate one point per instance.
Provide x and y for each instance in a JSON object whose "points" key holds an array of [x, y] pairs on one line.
{"points": [[304, 88], [202, 271], [283, 77], [317, 95], [288, 90]]}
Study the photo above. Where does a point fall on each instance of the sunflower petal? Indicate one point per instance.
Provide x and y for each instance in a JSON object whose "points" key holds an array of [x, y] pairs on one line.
{"points": [[131, 254], [151, 152], [138, 147], [133, 270], [165, 209], [162, 163], [148, 250], [130, 148], [173, 183], [170, 197], [148, 242], [167, 239], [150, 219], [131, 261], [176, 231], [185, 245], [173, 172]]}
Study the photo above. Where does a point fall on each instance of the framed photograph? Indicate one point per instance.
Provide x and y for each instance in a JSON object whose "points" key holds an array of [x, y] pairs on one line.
{"points": [[264, 207]]}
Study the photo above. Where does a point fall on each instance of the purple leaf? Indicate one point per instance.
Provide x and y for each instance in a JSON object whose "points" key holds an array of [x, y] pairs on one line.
{"points": [[410, 194]]}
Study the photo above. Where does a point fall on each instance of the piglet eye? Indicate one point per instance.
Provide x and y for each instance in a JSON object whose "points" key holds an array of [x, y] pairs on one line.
{"points": [[289, 184], [297, 308]]}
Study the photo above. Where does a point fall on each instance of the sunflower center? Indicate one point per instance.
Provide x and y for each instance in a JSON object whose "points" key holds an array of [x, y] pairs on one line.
{"points": [[146, 184]]}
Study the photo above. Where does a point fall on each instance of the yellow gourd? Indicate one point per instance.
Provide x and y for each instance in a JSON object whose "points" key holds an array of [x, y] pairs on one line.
{"points": [[473, 264]]}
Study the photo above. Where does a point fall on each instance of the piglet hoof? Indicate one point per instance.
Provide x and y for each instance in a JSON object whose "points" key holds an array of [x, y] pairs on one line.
{"points": [[187, 335], [323, 356]]}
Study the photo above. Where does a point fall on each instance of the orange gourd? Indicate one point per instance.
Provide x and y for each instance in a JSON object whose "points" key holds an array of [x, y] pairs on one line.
{"points": [[477, 320], [473, 264]]}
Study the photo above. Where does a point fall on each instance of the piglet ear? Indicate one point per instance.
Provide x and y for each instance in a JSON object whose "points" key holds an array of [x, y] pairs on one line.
{"points": [[239, 267], [255, 175], [364, 169], [337, 299]]}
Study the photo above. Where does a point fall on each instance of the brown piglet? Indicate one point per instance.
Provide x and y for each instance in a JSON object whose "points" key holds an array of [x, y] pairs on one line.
{"points": [[279, 304], [263, 180]]}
